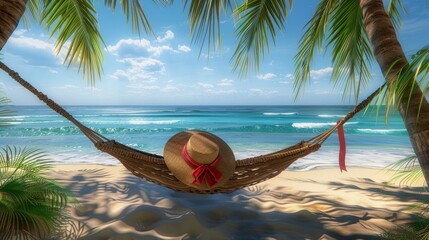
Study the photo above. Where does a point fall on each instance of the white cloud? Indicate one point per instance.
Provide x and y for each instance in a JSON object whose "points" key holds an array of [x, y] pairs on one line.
{"points": [[33, 46], [207, 69], [28, 42], [129, 47], [53, 71], [316, 74], [262, 92], [266, 76], [225, 82], [143, 62], [156, 51], [167, 36], [19, 32], [205, 85], [183, 48], [289, 76], [145, 69], [143, 43]]}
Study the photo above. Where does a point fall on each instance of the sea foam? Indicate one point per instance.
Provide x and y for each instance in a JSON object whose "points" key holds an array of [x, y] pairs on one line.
{"points": [[330, 116], [380, 131], [277, 114], [144, 122], [317, 125]]}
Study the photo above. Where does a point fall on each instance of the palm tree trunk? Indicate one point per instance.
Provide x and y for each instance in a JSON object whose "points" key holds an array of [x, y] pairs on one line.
{"points": [[11, 12], [388, 51]]}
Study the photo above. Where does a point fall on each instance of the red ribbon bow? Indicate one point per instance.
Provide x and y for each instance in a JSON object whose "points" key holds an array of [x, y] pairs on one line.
{"points": [[203, 171]]}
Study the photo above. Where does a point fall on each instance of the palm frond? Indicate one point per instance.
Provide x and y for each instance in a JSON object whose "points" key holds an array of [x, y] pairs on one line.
{"points": [[351, 51], [4, 111], [393, 11], [257, 23], [76, 25], [407, 171], [420, 63], [404, 232], [416, 230], [4, 103], [134, 11], [31, 205], [415, 75], [204, 19], [310, 41], [25, 159], [31, 11]]}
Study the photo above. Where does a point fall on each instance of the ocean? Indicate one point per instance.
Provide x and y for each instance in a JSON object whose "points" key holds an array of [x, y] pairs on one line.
{"points": [[249, 130]]}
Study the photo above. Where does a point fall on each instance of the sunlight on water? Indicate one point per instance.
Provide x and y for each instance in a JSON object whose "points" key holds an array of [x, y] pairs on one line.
{"points": [[249, 130]]}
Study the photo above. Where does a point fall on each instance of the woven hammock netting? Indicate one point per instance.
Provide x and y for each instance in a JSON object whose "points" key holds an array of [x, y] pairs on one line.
{"points": [[152, 167]]}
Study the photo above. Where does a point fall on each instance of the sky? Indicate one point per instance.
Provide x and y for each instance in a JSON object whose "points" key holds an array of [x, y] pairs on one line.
{"points": [[168, 68]]}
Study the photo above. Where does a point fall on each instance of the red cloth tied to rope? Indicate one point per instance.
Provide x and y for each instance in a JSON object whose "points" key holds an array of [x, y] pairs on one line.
{"points": [[342, 155], [203, 171]]}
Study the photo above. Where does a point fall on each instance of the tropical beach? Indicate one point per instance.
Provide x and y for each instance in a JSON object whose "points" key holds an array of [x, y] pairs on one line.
{"points": [[311, 200], [315, 204], [214, 119]]}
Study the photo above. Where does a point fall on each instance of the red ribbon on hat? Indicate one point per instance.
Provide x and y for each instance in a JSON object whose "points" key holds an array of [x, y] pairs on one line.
{"points": [[342, 155], [203, 171]]}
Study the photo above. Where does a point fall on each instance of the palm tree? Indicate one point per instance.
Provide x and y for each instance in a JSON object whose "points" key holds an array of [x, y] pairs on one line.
{"points": [[357, 31], [74, 21]]}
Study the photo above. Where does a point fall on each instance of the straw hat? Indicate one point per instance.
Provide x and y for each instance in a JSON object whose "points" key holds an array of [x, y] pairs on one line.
{"points": [[199, 159]]}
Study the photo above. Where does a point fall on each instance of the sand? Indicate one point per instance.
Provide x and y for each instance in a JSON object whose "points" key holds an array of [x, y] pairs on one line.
{"points": [[314, 204]]}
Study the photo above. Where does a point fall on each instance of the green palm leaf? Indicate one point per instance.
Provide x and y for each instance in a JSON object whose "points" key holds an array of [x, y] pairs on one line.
{"points": [[416, 74], [257, 22], [310, 41], [75, 20], [133, 9], [31, 205], [204, 20], [407, 171], [31, 12], [351, 51], [4, 111], [393, 10], [339, 23]]}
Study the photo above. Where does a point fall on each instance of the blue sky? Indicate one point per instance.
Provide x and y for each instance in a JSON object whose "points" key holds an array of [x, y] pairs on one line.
{"points": [[168, 69]]}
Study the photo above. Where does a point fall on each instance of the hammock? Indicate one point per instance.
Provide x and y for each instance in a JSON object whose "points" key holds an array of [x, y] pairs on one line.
{"points": [[152, 167]]}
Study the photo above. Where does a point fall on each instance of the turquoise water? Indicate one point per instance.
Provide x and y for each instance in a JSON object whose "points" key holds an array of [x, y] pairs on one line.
{"points": [[249, 130]]}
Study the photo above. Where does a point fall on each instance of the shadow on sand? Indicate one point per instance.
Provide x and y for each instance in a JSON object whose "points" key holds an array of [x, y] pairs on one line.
{"points": [[132, 208]]}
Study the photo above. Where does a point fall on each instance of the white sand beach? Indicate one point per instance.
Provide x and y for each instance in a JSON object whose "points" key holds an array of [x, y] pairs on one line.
{"points": [[314, 204]]}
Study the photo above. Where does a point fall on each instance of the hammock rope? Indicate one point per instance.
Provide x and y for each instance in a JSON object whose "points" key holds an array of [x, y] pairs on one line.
{"points": [[152, 167]]}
